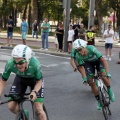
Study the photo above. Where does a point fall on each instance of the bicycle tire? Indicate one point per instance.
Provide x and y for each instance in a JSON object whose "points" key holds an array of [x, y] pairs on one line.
{"points": [[44, 108], [105, 108], [20, 116], [107, 99]]}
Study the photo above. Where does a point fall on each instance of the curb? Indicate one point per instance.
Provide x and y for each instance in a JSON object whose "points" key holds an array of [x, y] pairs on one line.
{"points": [[43, 51]]}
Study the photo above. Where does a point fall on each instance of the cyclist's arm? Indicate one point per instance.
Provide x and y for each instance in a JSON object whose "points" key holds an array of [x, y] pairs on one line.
{"points": [[82, 71], [105, 64], [38, 85], [72, 63], [2, 86], [38, 76]]}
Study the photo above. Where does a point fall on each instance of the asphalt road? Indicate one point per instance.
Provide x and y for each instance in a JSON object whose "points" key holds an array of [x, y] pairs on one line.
{"points": [[66, 98]]}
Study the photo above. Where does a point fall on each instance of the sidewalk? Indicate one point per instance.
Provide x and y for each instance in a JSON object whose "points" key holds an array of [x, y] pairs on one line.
{"points": [[36, 43]]}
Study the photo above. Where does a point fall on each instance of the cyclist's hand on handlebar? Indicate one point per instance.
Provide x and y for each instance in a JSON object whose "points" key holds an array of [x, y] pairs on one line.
{"points": [[32, 96], [108, 75], [84, 80], [75, 69], [85, 83]]}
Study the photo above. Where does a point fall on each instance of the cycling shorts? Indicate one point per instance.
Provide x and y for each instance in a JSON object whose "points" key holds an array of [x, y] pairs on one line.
{"points": [[90, 67], [20, 85]]}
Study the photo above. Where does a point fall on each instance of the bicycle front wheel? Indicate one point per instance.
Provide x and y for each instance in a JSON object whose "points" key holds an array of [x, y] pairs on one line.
{"points": [[44, 108], [21, 116], [103, 102]]}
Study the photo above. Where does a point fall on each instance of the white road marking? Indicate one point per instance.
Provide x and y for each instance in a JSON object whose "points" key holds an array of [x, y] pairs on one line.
{"points": [[55, 65], [53, 55]]}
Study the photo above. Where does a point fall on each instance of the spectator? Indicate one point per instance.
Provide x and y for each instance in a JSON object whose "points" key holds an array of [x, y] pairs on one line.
{"points": [[90, 36], [76, 27], [35, 29], [81, 32], [108, 35], [56, 43], [24, 30], [116, 34], [59, 33], [9, 25], [45, 26], [70, 38]]}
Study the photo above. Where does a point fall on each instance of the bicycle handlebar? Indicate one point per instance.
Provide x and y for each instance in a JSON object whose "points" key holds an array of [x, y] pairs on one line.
{"points": [[13, 95]]}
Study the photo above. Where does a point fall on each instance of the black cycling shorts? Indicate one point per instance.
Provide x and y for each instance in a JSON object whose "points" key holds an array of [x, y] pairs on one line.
{"points": [[20, 85], [90, 67]]}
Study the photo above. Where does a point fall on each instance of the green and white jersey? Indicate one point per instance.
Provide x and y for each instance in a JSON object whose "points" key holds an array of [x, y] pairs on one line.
{"points": [[93, 55], [33, 71]]}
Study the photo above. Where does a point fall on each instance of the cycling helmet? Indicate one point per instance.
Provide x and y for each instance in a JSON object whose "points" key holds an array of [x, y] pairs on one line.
{"points": [[22, 51], [79, 43]]}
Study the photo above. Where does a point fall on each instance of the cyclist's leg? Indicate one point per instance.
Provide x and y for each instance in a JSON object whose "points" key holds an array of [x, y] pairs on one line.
{"points": [[39, 110], [16, 88], [90, 70], [101, 69], [38, 103], [106, 80]]}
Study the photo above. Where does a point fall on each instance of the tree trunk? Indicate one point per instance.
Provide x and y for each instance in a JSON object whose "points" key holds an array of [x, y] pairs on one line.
{"points": [[4, 15], [15, 18], [99, 16], [25, 11], [34, 7], [29, 16]]}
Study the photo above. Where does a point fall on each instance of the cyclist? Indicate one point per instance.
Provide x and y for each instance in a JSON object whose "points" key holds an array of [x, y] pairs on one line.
{"points": [[89, 58], [28, 73], [73, 62]]}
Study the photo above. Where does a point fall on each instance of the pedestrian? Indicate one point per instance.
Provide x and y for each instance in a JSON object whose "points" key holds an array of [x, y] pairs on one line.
{"points": [[76, 28], [108, 35], [56, 43], [10, 26], [81, 32], [116, 34], [70, 38], [35, 29], [90, 36], [24, 30], [59, 33], [45, 26]]}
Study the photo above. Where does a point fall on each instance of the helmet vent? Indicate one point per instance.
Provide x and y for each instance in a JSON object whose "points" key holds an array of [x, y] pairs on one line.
{"points": [[24, 51]]}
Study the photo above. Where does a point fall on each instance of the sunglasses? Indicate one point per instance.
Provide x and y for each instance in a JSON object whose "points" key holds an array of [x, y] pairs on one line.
{"points": [[20, 62], [79, 49]]}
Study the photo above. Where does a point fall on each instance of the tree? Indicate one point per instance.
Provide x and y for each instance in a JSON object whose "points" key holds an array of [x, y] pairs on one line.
{"points": [[115, 4], [34, 10]]}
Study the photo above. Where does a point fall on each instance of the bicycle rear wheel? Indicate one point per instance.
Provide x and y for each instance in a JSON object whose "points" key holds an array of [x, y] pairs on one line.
{"points": [[104, 103]]}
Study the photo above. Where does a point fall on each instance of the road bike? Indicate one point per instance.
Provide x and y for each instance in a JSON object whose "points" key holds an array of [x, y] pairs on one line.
{"points": [[21, 99], [103, 95]]}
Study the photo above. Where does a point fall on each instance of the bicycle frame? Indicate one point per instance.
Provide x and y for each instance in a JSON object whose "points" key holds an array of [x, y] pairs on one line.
{"points": [[104, 98], [100, 83], [20, 101]]}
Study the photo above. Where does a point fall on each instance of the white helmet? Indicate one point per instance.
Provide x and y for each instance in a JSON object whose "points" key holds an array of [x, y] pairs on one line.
{"points": [[79, 43], [22, 51]]}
